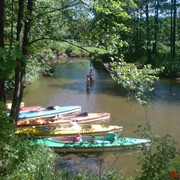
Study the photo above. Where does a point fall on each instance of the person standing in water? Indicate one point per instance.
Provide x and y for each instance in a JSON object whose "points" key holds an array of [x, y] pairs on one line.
{"points": [[88, 84], [91, 76]]}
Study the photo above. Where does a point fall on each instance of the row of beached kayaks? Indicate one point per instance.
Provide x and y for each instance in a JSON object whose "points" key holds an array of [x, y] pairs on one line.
{"points": [[67, 129]]}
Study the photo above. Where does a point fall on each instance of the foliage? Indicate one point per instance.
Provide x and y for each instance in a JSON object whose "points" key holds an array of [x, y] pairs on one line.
{"points": [[39, 64], [6, 128], [171, 69], [138, 82], [175, 167], [9, 54], [157, 160], [108, 27], [20, 160], [7, 66], [84, 174], [33, 71]]}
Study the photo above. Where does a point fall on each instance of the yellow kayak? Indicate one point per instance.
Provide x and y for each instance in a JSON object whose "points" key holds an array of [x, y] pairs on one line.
{"points": [[71, 129]]}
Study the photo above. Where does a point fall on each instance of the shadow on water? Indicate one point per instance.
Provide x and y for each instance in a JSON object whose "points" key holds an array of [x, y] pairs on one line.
{"points": [[166, 91]]}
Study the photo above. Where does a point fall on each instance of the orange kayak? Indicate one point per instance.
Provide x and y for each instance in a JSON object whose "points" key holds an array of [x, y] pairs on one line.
{"points": [[83, 118]]}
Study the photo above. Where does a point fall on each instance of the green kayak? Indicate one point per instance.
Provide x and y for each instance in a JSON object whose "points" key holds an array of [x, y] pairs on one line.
{"points": [[91, 144]]}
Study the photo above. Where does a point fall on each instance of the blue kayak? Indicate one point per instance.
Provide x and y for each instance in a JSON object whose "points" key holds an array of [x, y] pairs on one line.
{"points": [[50, 111]]}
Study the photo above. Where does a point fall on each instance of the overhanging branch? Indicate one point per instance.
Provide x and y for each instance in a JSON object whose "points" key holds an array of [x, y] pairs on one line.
{"points": [[62, 40]]}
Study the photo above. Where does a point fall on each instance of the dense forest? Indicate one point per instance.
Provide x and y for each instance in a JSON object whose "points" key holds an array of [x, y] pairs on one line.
{"points": [[128, 36]]}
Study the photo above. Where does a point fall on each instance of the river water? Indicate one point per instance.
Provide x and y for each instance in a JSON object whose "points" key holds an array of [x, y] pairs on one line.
{"points": [[68, 87]]}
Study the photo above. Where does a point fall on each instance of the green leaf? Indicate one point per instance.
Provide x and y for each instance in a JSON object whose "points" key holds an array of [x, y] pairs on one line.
{"points": [[31, 49], [2, 52]]}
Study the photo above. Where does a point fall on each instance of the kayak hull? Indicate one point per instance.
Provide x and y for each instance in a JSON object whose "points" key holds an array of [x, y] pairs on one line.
{"points": [[103, 145], [50, 112], [68, 130], [87, 118]]}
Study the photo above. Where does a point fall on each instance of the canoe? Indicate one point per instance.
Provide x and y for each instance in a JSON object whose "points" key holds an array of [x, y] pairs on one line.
{"points": [[92, 144], [50, 111], [68, 129], [83, 118]]}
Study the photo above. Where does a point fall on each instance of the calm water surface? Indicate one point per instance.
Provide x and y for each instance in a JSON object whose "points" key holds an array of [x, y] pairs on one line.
{"points": [[68, 87]]}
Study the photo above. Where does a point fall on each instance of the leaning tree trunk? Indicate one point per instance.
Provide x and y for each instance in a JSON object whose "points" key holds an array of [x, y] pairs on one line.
{"points": [[2, 78], [20, 69]]}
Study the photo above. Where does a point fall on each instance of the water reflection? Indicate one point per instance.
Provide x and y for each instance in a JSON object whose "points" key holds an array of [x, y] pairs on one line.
{"points": [[74, 76], [167, 91]]}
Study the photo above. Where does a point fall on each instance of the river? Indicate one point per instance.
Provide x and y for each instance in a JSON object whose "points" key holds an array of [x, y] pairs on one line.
{"points": [[68, 87]]}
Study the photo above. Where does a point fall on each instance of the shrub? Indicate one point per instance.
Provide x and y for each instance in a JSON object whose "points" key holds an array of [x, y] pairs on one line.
{"points": [[20, 160], [157, 161]]}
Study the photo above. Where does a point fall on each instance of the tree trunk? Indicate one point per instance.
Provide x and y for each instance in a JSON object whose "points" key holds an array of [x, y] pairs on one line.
{"points": [[2, 77], [174, 32], [137, 35], [17, 95], [148, 48], [173, 29], [156, 28], [20, 69]]}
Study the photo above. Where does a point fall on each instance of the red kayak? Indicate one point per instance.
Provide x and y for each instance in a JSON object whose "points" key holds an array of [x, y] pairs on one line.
{"points": [[30, 108]]}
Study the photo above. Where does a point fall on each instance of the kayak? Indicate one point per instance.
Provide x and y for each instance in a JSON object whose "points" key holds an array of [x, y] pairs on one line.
{"points": [[92, 144], [83, 118], [50, 111], [30, 108], [67, 129]]}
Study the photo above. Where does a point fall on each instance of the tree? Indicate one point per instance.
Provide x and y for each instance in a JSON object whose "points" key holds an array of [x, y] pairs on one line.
{"points": [[22, 38], [2, 76], [138, 82], [32, 22], [108, 28]]}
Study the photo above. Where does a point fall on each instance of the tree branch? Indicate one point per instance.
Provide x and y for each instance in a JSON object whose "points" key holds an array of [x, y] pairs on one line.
{"points": [[62, 40], [62, 9]]}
